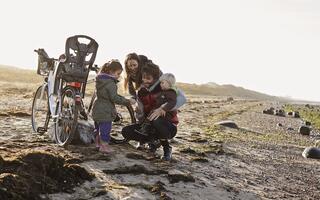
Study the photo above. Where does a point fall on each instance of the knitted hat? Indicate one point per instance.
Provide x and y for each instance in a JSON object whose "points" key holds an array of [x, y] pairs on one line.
{"points": [[169, 78]]}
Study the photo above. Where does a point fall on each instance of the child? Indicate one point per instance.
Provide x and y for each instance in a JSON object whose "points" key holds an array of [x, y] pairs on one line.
{"points": [[104, 112], [167, 100], [169, 91]]}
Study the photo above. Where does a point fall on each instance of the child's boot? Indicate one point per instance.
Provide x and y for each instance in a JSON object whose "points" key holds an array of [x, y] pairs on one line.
{"points": [[97, 141], [140, 146], [167, 153], [167, 150], [152, 148]]}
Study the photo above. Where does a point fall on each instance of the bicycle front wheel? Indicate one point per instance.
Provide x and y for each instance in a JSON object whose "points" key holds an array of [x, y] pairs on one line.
{"points": [[66, 122], [40, 114]]}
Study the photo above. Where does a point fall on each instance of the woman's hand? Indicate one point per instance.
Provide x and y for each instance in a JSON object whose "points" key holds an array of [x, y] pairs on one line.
{"points": [[132, 101], [156, 114]]}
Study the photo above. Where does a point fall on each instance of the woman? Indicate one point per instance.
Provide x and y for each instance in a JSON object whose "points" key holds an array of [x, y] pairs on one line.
{"points": [[133, 65], [133, 81]]}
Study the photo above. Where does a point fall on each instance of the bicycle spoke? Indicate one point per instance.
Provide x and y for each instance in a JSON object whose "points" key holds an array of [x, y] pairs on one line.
{"points": [[68, 117]]}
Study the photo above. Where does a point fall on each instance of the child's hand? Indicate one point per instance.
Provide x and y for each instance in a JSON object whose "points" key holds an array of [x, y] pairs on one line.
{"points": [[132, 101]]}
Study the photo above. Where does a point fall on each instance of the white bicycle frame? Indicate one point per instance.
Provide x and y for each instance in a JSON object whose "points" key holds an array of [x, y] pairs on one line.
{"points": [[52, 98]]}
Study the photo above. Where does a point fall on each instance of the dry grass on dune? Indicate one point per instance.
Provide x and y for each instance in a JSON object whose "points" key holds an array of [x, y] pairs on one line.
{"points": [[13, 74]]}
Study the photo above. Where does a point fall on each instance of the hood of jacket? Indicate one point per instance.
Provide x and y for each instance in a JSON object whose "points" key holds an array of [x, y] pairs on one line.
{"points": [[103, 79]]}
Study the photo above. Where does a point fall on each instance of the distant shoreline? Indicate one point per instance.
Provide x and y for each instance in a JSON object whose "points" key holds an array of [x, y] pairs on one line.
{"points": [[314, 103], [20, 74]]}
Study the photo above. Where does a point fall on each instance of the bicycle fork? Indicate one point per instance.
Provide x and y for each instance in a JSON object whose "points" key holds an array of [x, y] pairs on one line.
{"points": [[58, 102]]}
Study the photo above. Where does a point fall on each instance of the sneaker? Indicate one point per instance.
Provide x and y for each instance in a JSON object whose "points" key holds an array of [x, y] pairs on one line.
{"points": [[154, 145], [152, 148], [157, 143], [167, 153], [141, 146], [105, 148]]}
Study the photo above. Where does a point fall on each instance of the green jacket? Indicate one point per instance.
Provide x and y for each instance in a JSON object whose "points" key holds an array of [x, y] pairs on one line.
{"points": [[107, 96]]}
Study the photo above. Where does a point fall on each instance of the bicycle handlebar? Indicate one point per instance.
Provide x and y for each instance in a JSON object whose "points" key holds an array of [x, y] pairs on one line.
{"points": [[42, 52], [95, 68]]}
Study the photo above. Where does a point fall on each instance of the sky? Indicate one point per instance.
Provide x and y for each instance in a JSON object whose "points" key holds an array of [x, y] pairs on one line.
{"points": [[270, 46]]}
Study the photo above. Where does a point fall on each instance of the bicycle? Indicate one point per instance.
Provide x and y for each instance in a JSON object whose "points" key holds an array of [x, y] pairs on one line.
{"points": [[41, 110], [60, 97]]}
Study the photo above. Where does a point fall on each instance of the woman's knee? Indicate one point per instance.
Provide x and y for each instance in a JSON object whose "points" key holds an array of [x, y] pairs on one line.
{"points": [[159, 122], [126, 132], [164, 128]]}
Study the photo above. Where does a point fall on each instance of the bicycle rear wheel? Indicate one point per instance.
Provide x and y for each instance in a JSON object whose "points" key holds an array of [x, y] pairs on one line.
{"points": [[40, 113], [66, 122], [125, 117]]}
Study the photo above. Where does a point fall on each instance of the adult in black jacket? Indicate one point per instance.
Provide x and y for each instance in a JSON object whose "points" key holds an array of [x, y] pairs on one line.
{"points": [[133, 65]]}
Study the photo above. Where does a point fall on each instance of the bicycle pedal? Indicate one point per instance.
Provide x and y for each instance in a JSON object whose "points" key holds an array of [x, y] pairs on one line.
{"points": [[41, 130]]}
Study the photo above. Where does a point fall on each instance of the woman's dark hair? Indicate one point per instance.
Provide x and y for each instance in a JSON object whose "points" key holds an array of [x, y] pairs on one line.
{"points": [[151, 69], [111, 66], [134, 78], [129, 76]]}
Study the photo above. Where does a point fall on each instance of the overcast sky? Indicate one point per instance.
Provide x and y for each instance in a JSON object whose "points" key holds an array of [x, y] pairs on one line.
{"points": [[271, 46]]}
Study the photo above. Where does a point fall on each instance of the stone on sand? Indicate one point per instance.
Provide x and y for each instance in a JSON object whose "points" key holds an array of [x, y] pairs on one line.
{"points": [[228, 123], [175, 176], [296, 114], [230, 99], [280, 113], [84, 132], [308, 123], [311, 152], [304, 130]]}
